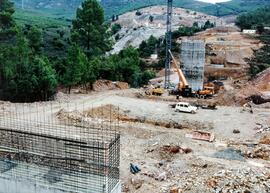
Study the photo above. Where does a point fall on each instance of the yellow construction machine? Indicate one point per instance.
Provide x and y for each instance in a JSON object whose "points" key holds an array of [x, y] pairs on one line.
{"points": [[184, 89], [155, 91], [207, 91]]}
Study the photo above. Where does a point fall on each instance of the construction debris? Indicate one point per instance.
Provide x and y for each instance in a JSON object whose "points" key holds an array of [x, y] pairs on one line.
{"points": [[161, 177], [137, 183], [258, 151], [175, 149], [262, 128], [242, 180], [210, 107], [201, 135]]}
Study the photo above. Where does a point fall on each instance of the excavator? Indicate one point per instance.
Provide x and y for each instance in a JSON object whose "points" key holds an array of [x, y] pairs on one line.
{"points": [[183, 87]]}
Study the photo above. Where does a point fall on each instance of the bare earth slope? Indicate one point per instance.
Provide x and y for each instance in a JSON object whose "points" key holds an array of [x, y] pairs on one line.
{"points": [[135, 28]]}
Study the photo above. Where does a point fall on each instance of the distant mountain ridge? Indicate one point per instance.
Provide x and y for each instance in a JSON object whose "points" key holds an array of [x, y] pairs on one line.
{"points": [[67, 8]]}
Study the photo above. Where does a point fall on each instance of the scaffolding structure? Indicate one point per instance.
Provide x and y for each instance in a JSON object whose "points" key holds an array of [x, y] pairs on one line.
{"points": [[61, 156]]}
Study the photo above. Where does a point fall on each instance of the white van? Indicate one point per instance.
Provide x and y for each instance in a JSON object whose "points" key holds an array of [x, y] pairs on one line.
{"points": [[185, 107]]}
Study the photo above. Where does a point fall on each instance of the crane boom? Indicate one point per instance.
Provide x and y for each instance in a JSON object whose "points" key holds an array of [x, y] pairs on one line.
{"points": [[182, 80]]}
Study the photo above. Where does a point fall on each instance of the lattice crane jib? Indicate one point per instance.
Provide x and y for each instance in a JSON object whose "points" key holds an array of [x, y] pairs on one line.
{"points": [[168, 43]]}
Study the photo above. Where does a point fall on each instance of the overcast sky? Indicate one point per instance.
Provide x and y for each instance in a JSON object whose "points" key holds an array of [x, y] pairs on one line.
{"points": [[213, 1]]}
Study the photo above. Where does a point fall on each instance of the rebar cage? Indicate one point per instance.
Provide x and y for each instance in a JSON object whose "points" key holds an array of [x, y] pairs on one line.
{"points": [[64, 156]]}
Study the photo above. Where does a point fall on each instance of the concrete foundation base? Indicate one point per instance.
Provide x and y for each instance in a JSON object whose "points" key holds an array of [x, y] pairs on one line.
{"points": [[27, 178], [12, 186]]}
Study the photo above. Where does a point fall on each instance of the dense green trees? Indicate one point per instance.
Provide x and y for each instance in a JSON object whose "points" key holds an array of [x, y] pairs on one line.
{"points": [[6, 11], [35, 39], [254, 19], [89, 35], [25, 76], [190, 31], [7, 23], [258, 19], [124, 66], [261, 59], [207, 25], [116, 27], [88, 29], [75, 67], [148, 47]]}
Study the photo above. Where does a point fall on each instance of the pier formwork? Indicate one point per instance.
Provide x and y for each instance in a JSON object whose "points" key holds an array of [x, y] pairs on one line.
{"points": [[192, 59]]}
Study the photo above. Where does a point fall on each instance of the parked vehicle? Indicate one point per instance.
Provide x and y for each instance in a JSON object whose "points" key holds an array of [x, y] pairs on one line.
{"points": [[185, 107]]}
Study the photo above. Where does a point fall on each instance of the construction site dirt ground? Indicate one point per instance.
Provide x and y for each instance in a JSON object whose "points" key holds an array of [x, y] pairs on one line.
{"points": [[238, 160]]}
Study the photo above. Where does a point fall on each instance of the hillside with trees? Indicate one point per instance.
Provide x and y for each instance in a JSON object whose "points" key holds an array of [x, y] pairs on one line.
{"points": [[258, 20], [66, 8], [29, 72], [261, 59]]}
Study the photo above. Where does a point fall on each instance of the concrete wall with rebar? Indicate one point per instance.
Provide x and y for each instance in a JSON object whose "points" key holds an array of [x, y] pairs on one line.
{"points": [[38, 157], [192, 58]]}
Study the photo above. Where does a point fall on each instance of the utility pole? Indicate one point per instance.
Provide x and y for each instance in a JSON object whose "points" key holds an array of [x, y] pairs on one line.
{"points": [[168, 43]]}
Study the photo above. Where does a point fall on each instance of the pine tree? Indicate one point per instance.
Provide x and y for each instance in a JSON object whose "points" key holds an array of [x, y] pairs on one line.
{"points": [[75, 67], [88, 29]]}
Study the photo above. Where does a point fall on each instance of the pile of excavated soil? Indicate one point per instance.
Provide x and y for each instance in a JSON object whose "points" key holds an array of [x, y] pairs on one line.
{"points": [[265, 139], [103, 85], [255, 87], [262, 80], [251, 91], [109, 111], [237, 97], [113, 113], [121, 85]]}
